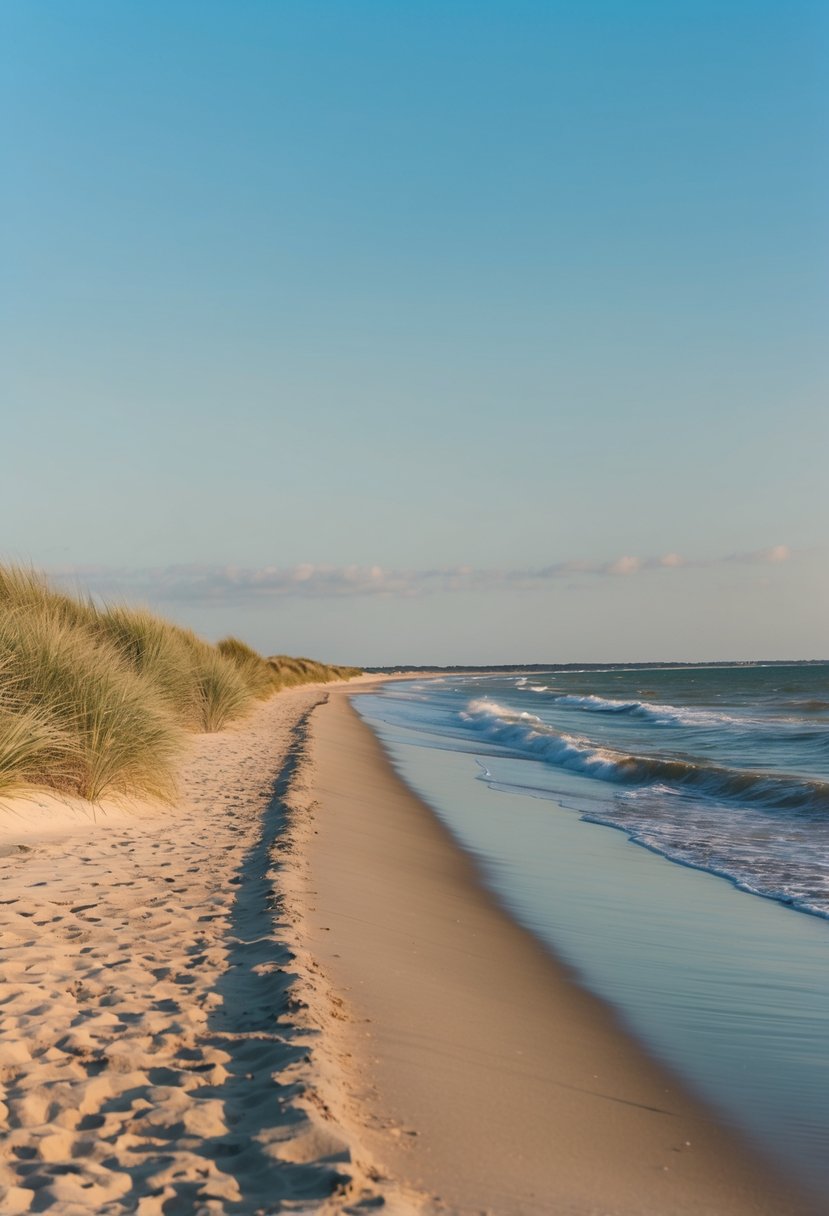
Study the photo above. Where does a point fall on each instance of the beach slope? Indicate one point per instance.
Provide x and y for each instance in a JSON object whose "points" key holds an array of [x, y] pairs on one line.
{"points": [[479, 1071]]}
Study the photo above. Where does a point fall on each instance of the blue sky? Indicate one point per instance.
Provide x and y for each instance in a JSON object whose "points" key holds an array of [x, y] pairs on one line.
{"points": [[309, 306]]}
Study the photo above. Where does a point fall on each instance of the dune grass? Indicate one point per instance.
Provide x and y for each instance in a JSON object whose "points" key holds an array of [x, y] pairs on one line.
{"points": [[33, 750], [152, 648], [109, 727], [202, 688], [280, 670], [99, 700], [290, 671], [254, 670]]}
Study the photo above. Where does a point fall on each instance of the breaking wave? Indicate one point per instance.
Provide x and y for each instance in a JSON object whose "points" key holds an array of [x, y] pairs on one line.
{"points": [[662, 715], [528, 735]]}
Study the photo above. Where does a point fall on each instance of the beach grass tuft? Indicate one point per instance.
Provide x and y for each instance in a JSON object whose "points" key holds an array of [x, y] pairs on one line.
{"points": [[255, 670], [32, 748], [98, 700], [223, 692], [109, 726], [156, 649]]}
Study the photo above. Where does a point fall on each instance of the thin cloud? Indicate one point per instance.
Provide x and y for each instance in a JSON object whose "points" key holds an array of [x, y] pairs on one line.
{"points": [[777, 553], [625, 565], [188, 583]]}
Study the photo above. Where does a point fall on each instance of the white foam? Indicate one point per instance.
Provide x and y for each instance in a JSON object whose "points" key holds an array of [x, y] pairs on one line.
{"points": [[661, 715], [528, 733]]}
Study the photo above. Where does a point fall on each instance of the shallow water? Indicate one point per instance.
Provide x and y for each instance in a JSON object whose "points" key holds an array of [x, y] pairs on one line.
{"points": [[730, 989]]}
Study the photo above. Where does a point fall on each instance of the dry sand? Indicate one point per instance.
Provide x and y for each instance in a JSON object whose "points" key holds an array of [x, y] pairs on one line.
{"points": [[480, 1072], [156, 1053], [289, 993]]}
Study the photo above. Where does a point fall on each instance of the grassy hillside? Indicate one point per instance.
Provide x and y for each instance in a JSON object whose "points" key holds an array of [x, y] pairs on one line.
{"points": [[100, 700]]}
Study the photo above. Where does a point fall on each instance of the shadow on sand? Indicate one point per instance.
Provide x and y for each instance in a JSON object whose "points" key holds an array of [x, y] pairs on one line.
{"points": [[276, 1155]]}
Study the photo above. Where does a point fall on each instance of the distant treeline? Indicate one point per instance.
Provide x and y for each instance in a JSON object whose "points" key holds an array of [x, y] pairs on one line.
{"points": [[98, 700]]}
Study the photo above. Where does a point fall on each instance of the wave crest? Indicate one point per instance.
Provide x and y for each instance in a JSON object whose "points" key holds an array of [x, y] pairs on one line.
{"points": [[662, 715], [528, 734]]}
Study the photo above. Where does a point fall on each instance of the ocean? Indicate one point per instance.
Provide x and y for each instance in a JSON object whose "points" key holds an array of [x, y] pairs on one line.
{"points": [[665, 831]]}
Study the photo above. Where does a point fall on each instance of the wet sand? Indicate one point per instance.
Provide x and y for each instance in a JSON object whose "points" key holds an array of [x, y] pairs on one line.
{"points": [[478, 1071]]}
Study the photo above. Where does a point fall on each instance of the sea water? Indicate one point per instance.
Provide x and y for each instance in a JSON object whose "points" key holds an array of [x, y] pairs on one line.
{"points": [[666, 831]]}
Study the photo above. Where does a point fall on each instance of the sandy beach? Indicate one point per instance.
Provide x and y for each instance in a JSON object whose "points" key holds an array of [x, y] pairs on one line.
{"points": [[290, 992], [154, 1043]]}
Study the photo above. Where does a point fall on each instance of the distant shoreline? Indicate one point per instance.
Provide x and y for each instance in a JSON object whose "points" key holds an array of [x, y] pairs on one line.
{"points": [[506, 668]]}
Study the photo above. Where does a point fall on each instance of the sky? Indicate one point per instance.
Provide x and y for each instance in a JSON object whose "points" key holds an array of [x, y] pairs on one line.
{"points": [[474, 332]]}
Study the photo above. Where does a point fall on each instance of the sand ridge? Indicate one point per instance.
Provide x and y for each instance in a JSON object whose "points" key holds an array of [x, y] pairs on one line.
{"points": [[157, 1054]]}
